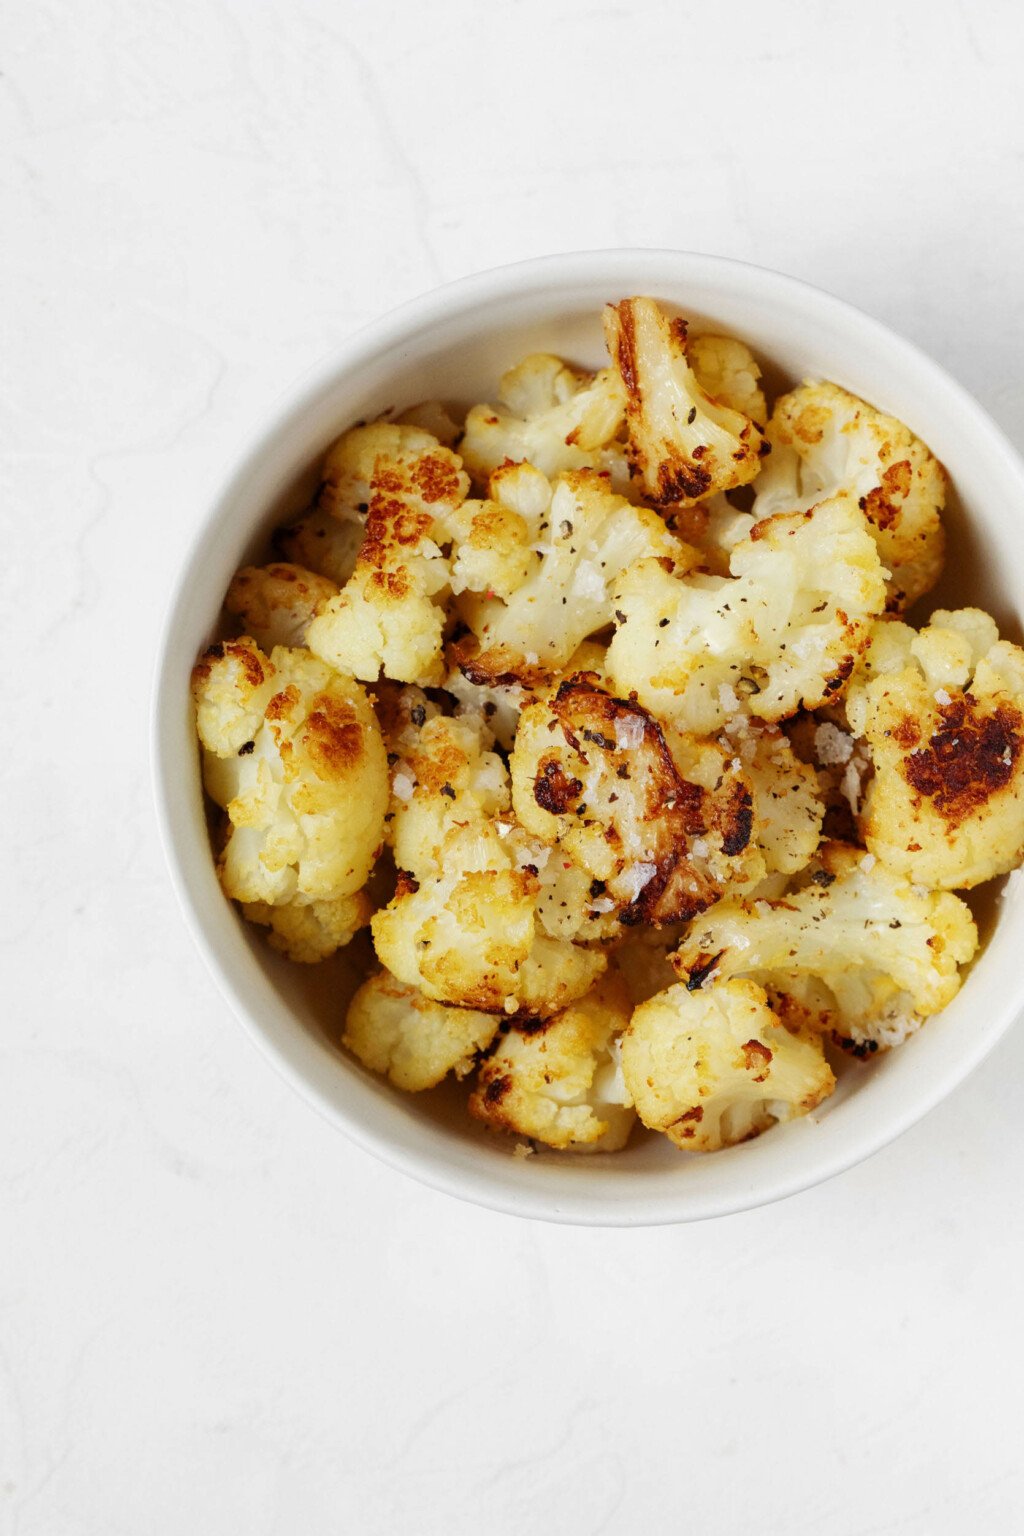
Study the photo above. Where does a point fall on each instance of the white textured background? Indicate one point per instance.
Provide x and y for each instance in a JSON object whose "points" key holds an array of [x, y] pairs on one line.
{"points": [[215, 1315]]}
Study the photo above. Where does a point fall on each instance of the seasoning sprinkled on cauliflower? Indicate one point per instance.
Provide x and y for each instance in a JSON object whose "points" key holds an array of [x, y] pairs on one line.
{"points": [[396, 1031], [592, 537], [942, 714], [784, 631], [294, 754], [596, 775], [277, 603], [727, 370], [889, 952], [552, 416], [558, 1080], [824, 440], [390, 615], [683, 444], [717, 1067]]}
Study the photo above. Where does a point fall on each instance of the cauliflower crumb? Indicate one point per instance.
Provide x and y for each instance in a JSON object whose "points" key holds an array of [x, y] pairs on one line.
{"points": [[831, 745]]}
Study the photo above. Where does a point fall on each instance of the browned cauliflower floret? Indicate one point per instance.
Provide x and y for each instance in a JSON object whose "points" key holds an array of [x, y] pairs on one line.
{"points": [[558, 1080], [727, 370], [784, 631], [683, 444], [824, 440], [390, 616], [294, 754], [788, 806], [596, 775], [888, 952], [276, 604], [942, 713], [396, 1031], [552, 416], [463, 926], [591, 536], [470, 936], [714, 1067]]}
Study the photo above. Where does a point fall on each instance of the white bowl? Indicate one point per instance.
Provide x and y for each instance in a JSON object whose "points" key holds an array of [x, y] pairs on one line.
{"points": [[454, 343]]}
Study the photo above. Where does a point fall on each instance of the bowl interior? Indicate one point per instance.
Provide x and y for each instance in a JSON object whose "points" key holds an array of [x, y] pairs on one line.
{"points": [[453, 346]]}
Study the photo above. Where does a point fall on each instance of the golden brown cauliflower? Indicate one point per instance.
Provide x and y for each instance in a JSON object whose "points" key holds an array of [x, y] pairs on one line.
{"points": [[396, 1031], [558, 1080], [276, 604], [463, 926], [553, 417], [390, 615], [784, 631], [711, 1068], [683, 445], [824, 440], [597, 776], [942, 713], [888, 952], [293, 753]]}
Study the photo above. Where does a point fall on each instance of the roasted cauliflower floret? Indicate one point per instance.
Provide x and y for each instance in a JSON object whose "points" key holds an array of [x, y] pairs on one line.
{"points": [[294, 754], [597, 776], [396, 1031], [308, 930], [942, 714], [319, 542], [683, 445], [592, 538], [727, 370], [390, 616], [714, 1067], [553, 417], [788, 806], [888, 952], [824, 440], [469, 935], [558, 1080], [784, 631], [448, 776], [276, 604]]}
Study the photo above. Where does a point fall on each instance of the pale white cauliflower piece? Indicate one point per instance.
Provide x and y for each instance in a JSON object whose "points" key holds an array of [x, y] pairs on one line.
{"points": [[592, 538], [888, 952], [942, 713], [714, 527], [711, 1068], [390, 615], [683, 444], [727, 370], [558, 1080], [659, 834], [824, 440], [318, 542], [276, 604], [307, 930], [432, 416], [783, 632], [414, 1041], [293, 753], [553, 417]]}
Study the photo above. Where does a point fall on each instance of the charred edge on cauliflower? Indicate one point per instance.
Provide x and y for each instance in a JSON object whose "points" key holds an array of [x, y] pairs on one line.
{"points": [[971, 758], [674, 809], [244, 654]]}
